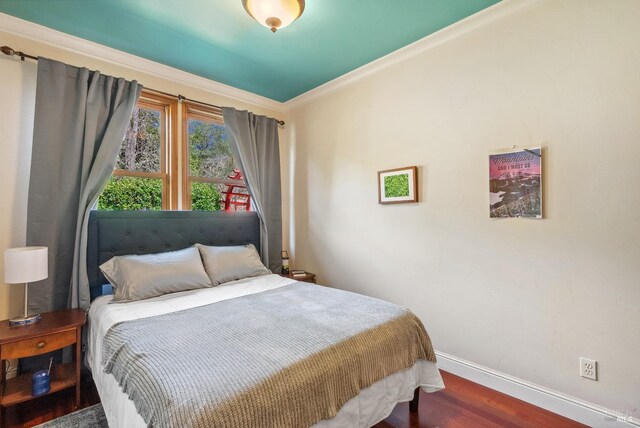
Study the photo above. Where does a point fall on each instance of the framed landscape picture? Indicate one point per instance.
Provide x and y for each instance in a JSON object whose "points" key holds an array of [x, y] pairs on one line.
{"points": [[396, 186], [515, 183]]}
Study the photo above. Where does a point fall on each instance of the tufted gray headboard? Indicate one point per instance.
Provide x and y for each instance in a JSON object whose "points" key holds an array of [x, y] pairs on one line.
{"points": [[118, 233]]}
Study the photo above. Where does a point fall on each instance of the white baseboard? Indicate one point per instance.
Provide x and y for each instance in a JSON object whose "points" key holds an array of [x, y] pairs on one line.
{"points": [[553, 401]]}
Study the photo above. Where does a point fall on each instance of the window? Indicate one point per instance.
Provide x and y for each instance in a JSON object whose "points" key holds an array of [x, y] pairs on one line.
{"points": [[141, 178], [146, 176], [213, 181]]}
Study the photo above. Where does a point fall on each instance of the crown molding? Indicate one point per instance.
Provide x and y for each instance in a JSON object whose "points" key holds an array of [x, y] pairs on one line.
{"points": [[485, 17], [58, 39]]}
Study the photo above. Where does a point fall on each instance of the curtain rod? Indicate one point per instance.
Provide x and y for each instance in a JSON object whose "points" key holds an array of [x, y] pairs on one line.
{"points": [[11, 52]]}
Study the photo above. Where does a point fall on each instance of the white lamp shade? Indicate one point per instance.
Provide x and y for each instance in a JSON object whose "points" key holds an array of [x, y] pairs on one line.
{"points": [[25, 264], [286, 11]]}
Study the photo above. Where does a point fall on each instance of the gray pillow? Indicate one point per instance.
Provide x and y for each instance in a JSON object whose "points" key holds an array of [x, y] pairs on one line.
{"points": [[151, 275], [224, 264]]}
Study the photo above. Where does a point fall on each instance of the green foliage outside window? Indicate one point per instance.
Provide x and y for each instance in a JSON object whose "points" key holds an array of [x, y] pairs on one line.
{"points": [[205, 197], [396, 185], [131, 193], [209, 150]]}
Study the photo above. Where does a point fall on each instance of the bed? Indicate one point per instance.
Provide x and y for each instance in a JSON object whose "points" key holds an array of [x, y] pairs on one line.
{"points": [[125, 233]]}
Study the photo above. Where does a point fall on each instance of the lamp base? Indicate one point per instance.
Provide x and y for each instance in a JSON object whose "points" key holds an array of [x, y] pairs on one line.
{"points": [[20, 321]]}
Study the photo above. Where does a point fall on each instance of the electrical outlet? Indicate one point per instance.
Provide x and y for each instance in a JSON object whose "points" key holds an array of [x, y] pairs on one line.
{"points": [[588, 368]]}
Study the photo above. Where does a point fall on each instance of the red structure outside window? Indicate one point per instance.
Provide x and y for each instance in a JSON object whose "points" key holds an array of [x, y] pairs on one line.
{"points": [[236, 197]]}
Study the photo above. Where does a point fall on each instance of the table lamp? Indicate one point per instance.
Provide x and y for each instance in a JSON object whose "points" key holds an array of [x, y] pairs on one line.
{"points": [[25, 265]]}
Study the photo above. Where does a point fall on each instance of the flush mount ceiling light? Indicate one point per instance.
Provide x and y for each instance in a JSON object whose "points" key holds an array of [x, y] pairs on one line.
{"points": [[274, 14]]}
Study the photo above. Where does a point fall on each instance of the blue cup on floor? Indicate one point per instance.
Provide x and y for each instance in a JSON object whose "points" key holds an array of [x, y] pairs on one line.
{"points": [[41, 383]]}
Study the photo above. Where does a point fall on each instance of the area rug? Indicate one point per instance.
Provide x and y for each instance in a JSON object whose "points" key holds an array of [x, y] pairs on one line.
{"points": [[90, 417]]}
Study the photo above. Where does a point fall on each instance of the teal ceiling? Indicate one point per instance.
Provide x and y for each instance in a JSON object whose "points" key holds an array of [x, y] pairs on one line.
{"points": [[216, 39]]}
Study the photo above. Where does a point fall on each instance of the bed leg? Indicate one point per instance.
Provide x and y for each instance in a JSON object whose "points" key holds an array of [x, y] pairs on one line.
{"points": [[413, 404]]}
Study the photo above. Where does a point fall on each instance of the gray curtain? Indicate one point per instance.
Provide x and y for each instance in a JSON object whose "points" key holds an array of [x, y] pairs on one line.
{"points": [[80, 120], [255, 146]]}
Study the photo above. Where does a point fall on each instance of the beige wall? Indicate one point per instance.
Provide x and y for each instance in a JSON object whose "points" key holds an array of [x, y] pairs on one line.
{"points": [[17, 86], [525, 297]]}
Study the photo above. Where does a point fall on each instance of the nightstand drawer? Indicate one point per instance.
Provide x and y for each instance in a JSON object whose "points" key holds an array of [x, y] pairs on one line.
{"points": [[38, 345]]}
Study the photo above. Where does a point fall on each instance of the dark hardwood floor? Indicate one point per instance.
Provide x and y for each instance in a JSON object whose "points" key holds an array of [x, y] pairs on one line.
{"points": [[461, 404], [466, 404]]}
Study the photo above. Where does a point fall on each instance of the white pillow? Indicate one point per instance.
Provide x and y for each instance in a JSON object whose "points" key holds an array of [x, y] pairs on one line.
{"points": [[150, 275], [224, 264]]}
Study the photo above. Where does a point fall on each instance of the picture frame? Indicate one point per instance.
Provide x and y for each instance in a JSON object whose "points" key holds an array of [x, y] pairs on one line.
{"points": [[515, 183], [398, 185]]}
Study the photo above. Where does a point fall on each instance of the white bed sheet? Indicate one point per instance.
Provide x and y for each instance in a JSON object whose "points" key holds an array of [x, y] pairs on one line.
{"points": [[370, 406]]}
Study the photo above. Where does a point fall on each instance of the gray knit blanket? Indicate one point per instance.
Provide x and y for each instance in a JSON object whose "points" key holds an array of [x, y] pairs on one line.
{"points": [[287, 357]]}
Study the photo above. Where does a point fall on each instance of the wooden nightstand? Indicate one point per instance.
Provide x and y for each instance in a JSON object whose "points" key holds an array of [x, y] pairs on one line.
{"points": [[54, 331], [309, 277]]}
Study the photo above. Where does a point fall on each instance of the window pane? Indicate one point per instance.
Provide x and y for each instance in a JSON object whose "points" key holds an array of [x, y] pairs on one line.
{"points": [[140, 149], [131, 193], [209, 150], [206, 196]]}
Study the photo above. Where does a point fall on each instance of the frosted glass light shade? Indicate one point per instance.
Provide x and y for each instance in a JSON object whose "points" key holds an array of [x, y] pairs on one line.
{"points": [[25, 264], [274, 14]]}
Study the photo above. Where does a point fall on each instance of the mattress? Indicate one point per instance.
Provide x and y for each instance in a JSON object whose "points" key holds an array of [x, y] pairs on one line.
{"points": [[370, 406]]}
